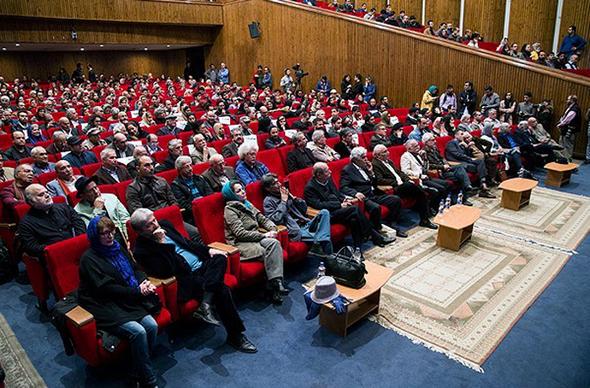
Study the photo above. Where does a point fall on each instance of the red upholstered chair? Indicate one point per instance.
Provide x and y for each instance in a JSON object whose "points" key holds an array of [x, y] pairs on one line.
{"points": [[160, 156], [164, 139], [49, 176], [97, 150], [283, 152], [272, 160], [89, 169], [169, 175], [200, 168], [219, 144], [184, 136], [63, 259]]}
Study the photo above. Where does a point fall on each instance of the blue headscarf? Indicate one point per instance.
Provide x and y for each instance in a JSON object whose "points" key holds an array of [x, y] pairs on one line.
{"points": [[112, 253], [32, 139], [228, 193]]}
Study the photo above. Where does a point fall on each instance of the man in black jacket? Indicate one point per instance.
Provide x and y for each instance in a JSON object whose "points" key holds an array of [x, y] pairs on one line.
{"points": [[321, 193], [46, 223], [163, 252], [188, 186], [467, 99], [357, 180], [300, 157]]}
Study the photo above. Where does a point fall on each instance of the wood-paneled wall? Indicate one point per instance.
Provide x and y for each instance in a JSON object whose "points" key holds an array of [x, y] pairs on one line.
{"points": [[403, 64], [43, 65], [486, 17], [443, 11], [533, 21], [55, 31], [577, 12], [136, 11]]}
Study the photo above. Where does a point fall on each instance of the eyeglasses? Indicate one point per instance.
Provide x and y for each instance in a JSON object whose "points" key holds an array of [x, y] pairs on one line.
{"points": [[107, 233]]}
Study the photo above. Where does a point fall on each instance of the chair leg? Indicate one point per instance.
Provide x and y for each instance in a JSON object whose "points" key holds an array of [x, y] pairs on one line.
{"points": [[42, 306]]}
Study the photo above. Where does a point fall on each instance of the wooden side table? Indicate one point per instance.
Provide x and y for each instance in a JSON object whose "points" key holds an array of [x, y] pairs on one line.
{"points": [[364, 301], [516, 192], [456, 226], [559, 174]]}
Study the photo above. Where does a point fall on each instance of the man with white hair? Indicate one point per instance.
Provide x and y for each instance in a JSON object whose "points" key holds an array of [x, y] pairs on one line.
{"points": [[201, 152], [357, 180], [188, 186], [111, 171], [320, 150], [218, 173], [231, 149], [65, 182], [170, 128], [174, 151], [248, 169], [41, 163]]}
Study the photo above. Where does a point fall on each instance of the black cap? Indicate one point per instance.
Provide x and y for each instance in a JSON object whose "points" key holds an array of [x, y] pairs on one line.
{"points": [[81, 184], [74, 140], [397, 126]]}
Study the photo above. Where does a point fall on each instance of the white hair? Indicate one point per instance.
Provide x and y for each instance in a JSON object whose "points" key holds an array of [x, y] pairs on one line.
{"points": [[173, 143], [105, 152], [317, 134], [379, 148], [427, 136], [139, 218], [358, 152], [181, 161], [36, 150], [410, 143], [245, 148]]}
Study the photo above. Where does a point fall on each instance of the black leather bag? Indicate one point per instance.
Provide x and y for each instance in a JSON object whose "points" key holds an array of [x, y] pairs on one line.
{"points": [[345, 269]]}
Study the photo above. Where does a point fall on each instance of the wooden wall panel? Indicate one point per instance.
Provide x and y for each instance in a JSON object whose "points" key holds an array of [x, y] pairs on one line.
{"points": [[138, 11], [443, 11], [43, 65], [54, 31], [577, 12], [533, 21], [403, 64], [486, 17]]}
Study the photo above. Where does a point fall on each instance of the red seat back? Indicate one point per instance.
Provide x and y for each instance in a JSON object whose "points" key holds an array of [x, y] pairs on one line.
{"points": [[395, 154], [63, 262], [169, 175], [298, 180], [272, 160], [169, 213], [208, 216], [89, 169], [160, 156], [336, 168], [255, 195]]}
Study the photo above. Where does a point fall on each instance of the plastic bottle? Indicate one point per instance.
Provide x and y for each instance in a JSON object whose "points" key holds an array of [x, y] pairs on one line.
{"points": [[321, 270], [460, 198], [448, 202], [357, 255], [441, 207]]}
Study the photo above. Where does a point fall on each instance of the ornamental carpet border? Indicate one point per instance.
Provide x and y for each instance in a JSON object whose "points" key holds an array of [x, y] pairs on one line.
{"points": [[19, 370]]}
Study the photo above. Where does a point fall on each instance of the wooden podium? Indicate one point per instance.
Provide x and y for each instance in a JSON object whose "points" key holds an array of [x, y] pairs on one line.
{"points": [[455, 226], [516, 192], [364, 301], [559, 174]]}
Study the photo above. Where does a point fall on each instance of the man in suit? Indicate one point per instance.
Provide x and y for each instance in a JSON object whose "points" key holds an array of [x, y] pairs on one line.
{"points": [[300, 157], [111, 171], [357, 180], [19, 150], [264, 122], [163, 252], [231, 149], [387, 174], [65, 182], [321, 193], [78, 156], [218, 173], [188, 186], [122, 148], [456, 151]]}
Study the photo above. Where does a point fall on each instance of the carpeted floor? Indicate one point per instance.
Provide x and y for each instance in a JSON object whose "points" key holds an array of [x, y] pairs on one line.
{"points": [[548, 347]]}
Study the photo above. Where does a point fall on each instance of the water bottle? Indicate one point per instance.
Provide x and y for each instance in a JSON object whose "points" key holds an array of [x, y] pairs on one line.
{"points": [[357, 255], [448, 202], [460, 198], [321, 270], [441, 207]]}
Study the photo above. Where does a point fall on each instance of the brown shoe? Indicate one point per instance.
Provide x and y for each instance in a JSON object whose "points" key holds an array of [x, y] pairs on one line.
{"points": [[486, 194]]}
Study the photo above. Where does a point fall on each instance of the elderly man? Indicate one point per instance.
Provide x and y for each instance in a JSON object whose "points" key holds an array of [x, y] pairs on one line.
{"points": [[111, 171], [245, 126], [248, 169], [14, 194], [346, 143], [94, 203], [93, 140], [387, 174], [152, 144], [320, 150], [321, 193], [60, 143], [380, 137], [457, 151], [122, 121], [170, 128], [300, 157], [174, 151], [164, 253], [218, 173], [188, 186], [19, 150], [357, 180], [201, 152], [66, 127], [237, 139], [46, 223], [138, 152], [65, 181], [122, 148], [6, 173], [78, 156], [41, 163]]}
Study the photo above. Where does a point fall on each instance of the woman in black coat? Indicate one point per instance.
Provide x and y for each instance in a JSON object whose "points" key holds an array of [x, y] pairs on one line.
{"points": [[119, 296]]}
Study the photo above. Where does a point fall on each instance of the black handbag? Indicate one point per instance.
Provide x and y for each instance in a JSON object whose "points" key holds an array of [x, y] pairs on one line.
{"points": [[346, 269]]}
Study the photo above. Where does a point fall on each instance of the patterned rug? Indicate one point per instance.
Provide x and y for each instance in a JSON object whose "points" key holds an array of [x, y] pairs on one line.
{"points": [[462, 303], [17, 366], [555, 219]]}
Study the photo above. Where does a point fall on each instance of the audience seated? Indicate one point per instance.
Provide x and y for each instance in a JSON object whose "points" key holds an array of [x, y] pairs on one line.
{"points": [[6, 173], [163, 252], [64, 182], [41, 163], [218, 173], [60, 143], [93, 139], [301, 156], [111, 171], [78, 156], [320, 150], [152, 145], [248, 169], [274, 140], [321, 193], [380, 137], [170, 128], [237, 139], [242, 223], [188, 186], [346, 143], [14, 194], [174, 151], [201, 152], [122, 148], [19, 150]]}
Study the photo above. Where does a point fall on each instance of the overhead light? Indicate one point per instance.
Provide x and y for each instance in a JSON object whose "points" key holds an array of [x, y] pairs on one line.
{"points": [[17, 45], [167, 45], [145, 49], [102, 45], [3, 48], [81, 48]]}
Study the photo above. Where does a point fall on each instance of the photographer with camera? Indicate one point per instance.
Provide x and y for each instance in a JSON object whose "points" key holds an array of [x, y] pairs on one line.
{"points": [[299, 74]]}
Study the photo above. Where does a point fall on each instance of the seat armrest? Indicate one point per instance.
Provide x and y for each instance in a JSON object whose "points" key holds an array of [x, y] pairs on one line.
{"points": [[385, 188], [7, 225], [79, 316], [312, 212], [230, 250], [453, 163], [281, 228], [158, 282]]}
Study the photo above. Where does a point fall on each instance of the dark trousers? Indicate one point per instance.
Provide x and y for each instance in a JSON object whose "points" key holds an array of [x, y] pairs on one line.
{"points": [[478, 166], [353, 217], [211, 275], [409, 190], [458, 174], [372, 206]]}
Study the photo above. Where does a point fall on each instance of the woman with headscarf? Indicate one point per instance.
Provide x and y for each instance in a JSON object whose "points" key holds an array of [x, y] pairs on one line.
{"points": [[242, 221], [438, 127], [429, 98], [35, 135], [119, 296]]}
